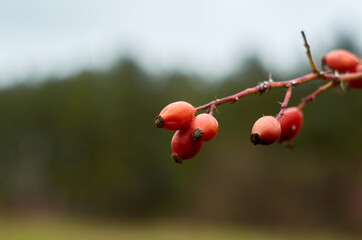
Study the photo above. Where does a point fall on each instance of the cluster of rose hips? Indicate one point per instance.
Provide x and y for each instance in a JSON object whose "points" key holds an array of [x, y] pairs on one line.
{"points": [[344, 61], [268, 129], [192, 131]]}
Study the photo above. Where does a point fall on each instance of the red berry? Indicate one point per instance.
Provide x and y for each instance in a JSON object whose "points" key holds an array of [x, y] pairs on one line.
{"points": [[341, 60], [204, 127], [358, 82], [183, 146], [175, 116], [266, 130], [290, 123]]}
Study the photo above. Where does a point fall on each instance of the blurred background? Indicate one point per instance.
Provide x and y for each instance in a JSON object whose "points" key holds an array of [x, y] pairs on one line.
{"points": [[81, 82]]}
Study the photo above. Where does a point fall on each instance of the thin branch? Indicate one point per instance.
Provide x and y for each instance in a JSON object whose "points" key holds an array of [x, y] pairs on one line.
{"points": [[309, 54], [311, 97], [270, 84], [260, 88], [341, 78], [288, 94]]}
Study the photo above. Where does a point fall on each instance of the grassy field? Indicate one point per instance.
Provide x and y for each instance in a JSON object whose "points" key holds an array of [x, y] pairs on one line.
{"points": [[61, 229]]}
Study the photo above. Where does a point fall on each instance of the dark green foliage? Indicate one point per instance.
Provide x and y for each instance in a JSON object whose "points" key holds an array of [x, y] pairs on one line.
{"points": [[87, 144]]}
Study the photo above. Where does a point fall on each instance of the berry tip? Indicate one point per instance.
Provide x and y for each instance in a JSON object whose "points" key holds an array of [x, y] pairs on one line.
{"points": [[197, 134], [255, 138], [176, 158], [159, 122]]}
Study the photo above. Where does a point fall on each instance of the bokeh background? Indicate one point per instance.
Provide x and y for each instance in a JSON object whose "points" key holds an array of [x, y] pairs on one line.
{"points": [[81, 82]]}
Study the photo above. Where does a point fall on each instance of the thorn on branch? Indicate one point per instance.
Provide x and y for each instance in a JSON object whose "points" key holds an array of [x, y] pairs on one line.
{"points": [[211, 109], [309, 98], [336, 81], [284, 104], [235, 99], [343, 87], [339, 89], [293, 84], [264, 86]]}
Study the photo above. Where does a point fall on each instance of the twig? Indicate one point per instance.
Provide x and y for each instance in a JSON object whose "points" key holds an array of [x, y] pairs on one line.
{"points": [[341, 78], [260, 88], [312, 96], [288, 94], [268, 85], [309, 54]]}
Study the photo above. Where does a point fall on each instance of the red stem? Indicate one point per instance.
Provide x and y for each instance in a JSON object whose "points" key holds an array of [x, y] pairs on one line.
{"points": [[342, 78], [261, 88], [313, 95], [309, 54], [288, 94], [267, 85]]}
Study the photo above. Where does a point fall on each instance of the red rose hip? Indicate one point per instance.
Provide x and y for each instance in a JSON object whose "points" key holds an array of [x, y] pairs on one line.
{"points": [[266, 130], [357, 84], [183, 145], [290, 123], [204, 127], [341, 60], [175, 116]]}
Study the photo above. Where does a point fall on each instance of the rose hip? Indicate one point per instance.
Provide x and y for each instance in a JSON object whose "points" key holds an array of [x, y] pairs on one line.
{"points": [[290, 123], [266, 130], [357, 83], [341, 60], [175, 116], [183, 145], [204, 127]]}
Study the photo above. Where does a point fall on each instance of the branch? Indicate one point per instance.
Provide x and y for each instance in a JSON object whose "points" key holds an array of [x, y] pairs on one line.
{"points": [[342, 78], [311, 97], [288, 94], [268, 85], [309, 54], [260, 88]]}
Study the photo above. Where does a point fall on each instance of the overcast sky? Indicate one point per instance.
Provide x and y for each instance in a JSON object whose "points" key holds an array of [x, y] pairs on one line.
{"points": [[39, 38]]}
